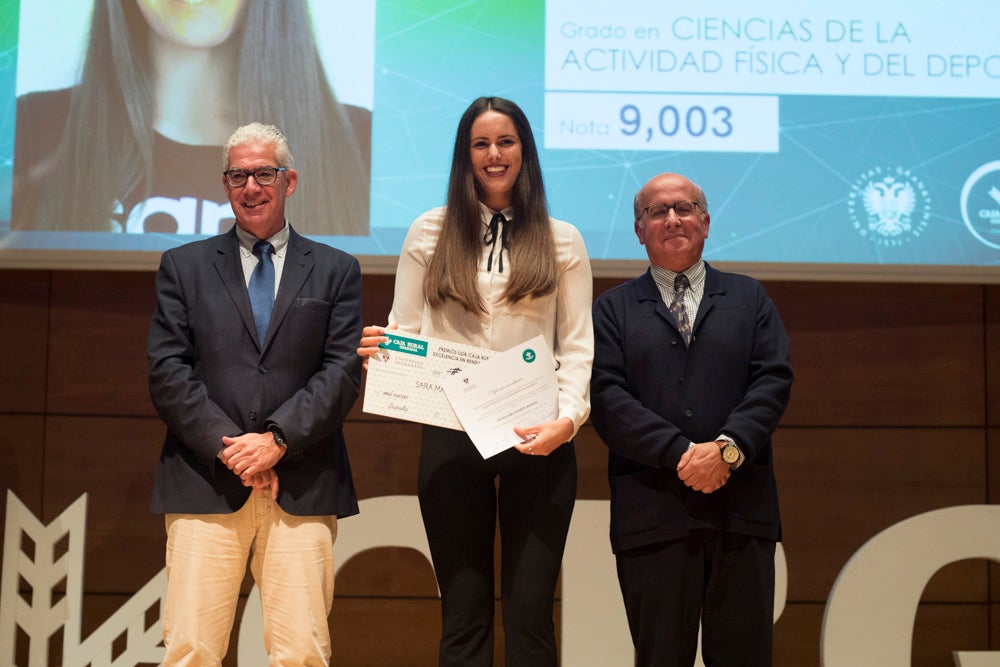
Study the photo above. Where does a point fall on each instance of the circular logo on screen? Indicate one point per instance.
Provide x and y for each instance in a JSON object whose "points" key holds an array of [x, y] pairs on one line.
{"points": [[981, 204], [889, 206], [529, 355]]}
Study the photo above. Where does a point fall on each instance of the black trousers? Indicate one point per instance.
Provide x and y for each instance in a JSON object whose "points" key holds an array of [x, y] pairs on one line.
{"points": [[461, 495], [723, 580]]}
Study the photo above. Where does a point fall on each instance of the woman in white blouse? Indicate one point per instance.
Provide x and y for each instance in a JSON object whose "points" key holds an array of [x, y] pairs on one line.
{"points": [[492, 269]]}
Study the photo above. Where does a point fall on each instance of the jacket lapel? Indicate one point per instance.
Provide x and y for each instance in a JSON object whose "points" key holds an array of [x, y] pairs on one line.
{"points": [[230, 270], [650, 293], [298, 265], [715, 288]]}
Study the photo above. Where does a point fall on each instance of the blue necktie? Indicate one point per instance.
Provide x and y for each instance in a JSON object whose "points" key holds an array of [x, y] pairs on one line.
{"points": [[261, 288]]}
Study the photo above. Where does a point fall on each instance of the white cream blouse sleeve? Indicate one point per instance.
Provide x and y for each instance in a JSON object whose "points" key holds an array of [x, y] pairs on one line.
{"points": [[574, 328]]}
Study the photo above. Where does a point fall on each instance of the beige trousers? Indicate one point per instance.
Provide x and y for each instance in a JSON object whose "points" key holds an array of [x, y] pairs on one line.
{"points": [[291, 559]]}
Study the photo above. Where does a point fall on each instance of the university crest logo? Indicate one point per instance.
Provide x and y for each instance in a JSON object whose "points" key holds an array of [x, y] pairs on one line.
{"points": [[981, 204], [889, 206]]}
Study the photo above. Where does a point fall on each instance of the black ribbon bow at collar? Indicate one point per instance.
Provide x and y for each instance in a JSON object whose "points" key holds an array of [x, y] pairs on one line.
{"points": [[496, 229]]}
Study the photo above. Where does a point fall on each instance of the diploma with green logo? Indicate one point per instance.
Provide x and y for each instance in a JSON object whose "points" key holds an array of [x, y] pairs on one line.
{"points": [[513, 388], [405, 381]]}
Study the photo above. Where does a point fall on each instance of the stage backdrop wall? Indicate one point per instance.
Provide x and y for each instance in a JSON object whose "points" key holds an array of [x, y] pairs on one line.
{"points": [[895, 412]]}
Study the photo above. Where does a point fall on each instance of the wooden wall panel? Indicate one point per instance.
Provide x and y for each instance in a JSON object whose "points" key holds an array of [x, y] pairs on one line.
{"points": [[602, 285], [995, 624], [384, 455], [888, 419], [591, 466], [97, 350], [111, 460], [796, 635], [24, 326], [22, 460], [840, 487], [884, 354], [940, 629], [993, 464], [863, 353], [993, 497], [376, 299], [386, 572], [992, 317], [402, 633]]}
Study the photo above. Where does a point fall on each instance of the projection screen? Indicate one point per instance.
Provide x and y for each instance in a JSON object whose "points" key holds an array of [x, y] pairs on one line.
{"points": [[837, 141]]}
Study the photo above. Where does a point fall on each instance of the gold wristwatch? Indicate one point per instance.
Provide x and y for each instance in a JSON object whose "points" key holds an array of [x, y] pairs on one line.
{"points": [[730, 452]]}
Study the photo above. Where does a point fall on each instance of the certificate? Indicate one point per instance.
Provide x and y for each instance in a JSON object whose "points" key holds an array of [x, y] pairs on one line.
{"points": [[514, 388], [405, 381]]}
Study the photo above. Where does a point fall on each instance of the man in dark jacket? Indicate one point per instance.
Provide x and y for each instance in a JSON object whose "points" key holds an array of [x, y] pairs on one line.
{"points": [[252, 367], [691, 376]]}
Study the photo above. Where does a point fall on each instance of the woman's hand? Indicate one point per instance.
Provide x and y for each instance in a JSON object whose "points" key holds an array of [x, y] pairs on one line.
{"points": [[371, 336], [543, 439]]}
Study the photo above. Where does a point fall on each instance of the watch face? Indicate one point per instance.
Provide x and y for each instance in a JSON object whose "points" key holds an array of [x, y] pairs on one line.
{"points": [[730, 454]]}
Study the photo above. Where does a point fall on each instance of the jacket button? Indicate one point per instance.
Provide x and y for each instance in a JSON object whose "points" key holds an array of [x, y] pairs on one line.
{"points": [[262, 370], [688, 413], [253, 415], [673, 341]]}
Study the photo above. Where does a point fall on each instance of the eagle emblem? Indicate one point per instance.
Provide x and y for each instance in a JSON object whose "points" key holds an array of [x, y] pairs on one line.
{"points": [[889, 204]]}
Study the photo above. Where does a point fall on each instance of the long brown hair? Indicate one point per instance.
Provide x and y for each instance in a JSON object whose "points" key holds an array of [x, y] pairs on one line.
{"points": [[452, 271], [107, 148]]}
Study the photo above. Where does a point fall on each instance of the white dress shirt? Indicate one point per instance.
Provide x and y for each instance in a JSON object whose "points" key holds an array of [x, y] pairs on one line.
{"points": [[563, 317], [250, 260], [664, 279]]}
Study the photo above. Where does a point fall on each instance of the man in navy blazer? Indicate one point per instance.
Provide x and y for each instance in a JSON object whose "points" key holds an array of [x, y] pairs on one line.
{"points": [[691, 376], [254, 463]]}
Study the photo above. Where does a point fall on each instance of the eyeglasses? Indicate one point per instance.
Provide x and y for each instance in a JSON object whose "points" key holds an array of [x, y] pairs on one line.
{"points": [[237, 178], [683, 209]]}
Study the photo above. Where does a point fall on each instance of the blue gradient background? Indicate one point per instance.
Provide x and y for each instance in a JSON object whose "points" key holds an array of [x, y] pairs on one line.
{"points": [[786, 207], [433, 57]]}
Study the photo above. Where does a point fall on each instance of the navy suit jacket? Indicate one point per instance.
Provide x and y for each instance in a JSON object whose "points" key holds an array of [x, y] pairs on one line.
{"points": [[209, 376], [652, 396]]}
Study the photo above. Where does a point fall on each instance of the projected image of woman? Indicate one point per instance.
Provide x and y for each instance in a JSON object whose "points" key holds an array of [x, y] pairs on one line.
{"points": [[134, 146], [492, 269]]}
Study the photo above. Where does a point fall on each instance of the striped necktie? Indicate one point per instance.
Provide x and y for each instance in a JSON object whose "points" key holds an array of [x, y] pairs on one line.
{"points": [[681, 285]]}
